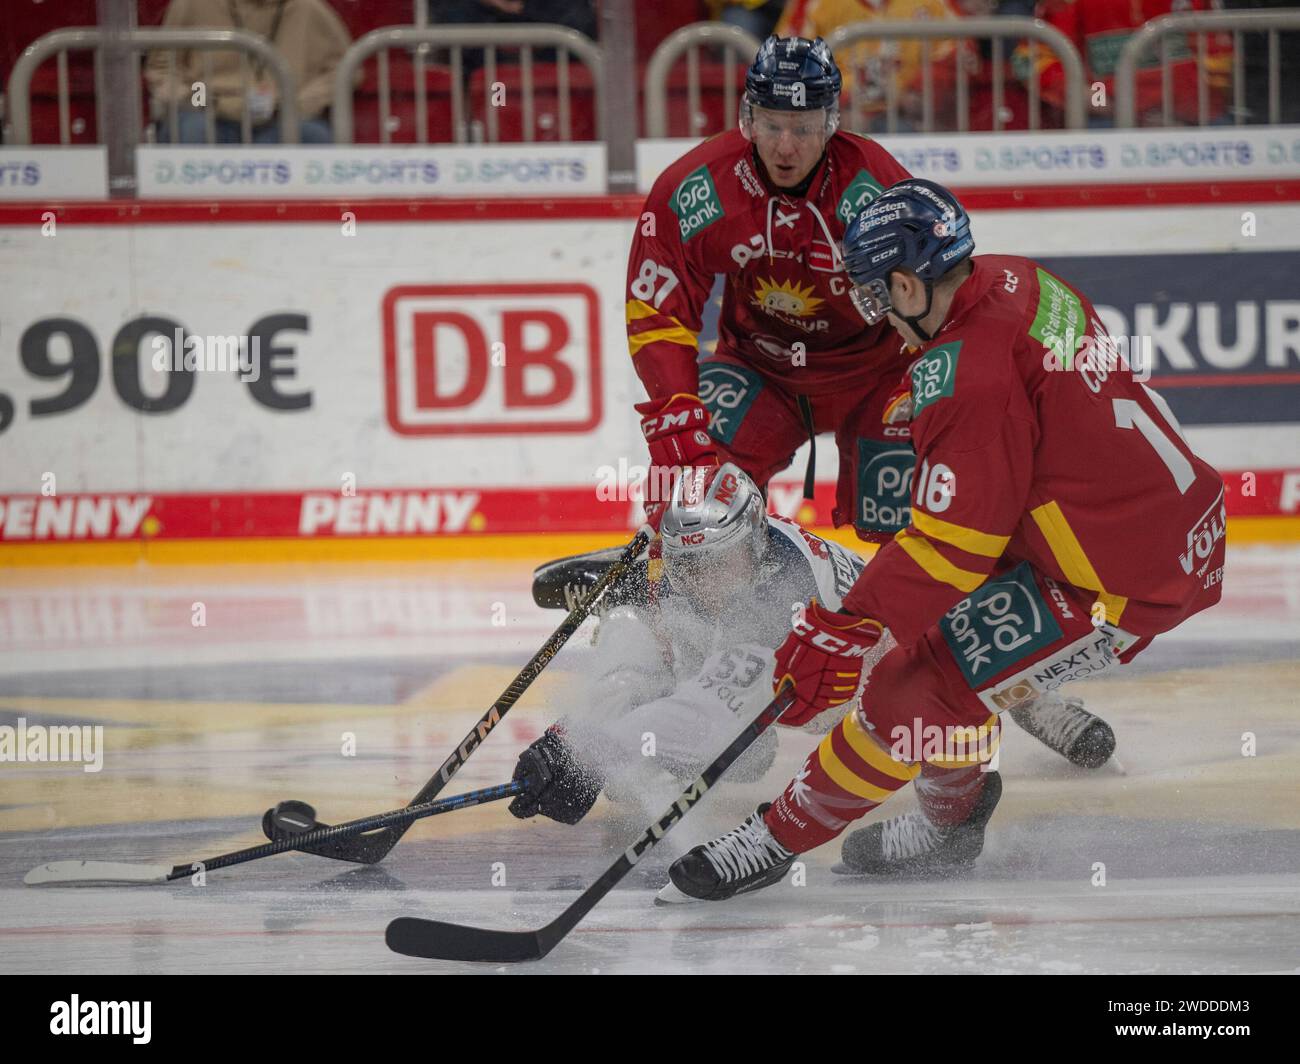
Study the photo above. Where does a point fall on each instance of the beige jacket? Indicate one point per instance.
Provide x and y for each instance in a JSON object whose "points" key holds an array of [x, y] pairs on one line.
{"points": [[311, 37]]}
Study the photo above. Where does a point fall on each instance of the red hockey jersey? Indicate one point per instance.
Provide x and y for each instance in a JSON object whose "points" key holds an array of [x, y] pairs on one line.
{"points": [[713, 212], [1030, 447]]}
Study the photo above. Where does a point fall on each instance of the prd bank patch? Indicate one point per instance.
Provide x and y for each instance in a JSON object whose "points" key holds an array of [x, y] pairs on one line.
{"points": [[934, 376], [884, 502], [1059, 321], [696, 203], [728, 392], [862, 190], [998, 626]]}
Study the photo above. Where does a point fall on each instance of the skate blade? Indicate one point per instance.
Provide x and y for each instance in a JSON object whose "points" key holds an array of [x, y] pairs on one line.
{"points": [[957, 870], [670, 895]]}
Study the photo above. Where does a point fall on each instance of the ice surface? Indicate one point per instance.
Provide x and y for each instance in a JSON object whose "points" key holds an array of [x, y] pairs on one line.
{"points": [[206, 727]]}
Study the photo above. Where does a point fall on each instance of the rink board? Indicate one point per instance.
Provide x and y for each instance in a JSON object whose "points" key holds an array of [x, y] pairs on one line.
{"points": [[459, 368]]}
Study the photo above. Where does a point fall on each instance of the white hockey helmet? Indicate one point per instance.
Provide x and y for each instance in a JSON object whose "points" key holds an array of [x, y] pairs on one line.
{"points": [[714, 528]]}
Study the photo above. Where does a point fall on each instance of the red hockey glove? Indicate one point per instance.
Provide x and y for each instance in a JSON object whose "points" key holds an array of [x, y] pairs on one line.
{"points": [[677, 432], [823, 658]]}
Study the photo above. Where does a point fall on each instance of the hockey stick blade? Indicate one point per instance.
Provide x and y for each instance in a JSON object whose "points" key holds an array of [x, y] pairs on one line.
{"points": [[75, 873], [71, 873], [456, 942], [435, 940]]}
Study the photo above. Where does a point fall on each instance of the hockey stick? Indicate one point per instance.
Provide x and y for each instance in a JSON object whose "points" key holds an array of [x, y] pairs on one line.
{"points": [[370, 849], [122, 872], [457, 942]]}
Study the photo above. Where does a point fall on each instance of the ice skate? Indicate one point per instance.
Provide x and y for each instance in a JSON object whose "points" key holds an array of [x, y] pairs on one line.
{"points": [[911, 845], [1064, 725], [742, 860]]}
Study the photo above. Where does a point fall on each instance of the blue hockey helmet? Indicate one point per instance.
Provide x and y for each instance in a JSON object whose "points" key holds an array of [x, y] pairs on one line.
{"points": [[915, 225], [793, 74]]}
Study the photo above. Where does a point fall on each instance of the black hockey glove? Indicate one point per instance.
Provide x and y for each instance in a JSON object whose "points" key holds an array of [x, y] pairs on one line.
{"points": [[557, 786]]}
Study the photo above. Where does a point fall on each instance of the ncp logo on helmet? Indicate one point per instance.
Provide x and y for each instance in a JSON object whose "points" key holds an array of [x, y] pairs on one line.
{"points": [[791, 106], [916, 226], [714, 533]]}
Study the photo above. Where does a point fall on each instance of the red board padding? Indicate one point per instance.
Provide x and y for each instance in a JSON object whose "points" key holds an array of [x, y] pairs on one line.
{"points": [[326, 514], [190, 212]]}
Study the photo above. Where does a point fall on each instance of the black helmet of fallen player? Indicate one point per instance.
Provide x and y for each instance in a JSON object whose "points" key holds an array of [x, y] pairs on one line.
{"points": [[792, 74], [714, 531], [914, 225]]}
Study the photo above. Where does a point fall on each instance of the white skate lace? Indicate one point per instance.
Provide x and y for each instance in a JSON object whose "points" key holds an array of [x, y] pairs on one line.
{"points": [[574, 596], [748, 849], [1059, 721], [909, 835]]}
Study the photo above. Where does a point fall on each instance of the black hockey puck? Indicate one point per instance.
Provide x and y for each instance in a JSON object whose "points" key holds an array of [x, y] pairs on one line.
{"points": [[289, 818]]}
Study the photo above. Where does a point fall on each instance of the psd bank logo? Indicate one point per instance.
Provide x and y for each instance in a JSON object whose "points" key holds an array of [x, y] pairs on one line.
{"points": [[491, 359]]}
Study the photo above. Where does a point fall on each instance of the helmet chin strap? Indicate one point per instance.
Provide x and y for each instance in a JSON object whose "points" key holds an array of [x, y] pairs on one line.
{"points": [[914, 320]]}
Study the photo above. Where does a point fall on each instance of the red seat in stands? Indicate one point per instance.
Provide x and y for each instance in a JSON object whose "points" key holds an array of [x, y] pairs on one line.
{"points": [[546, 102], [654, 22], [362, 16], [401, 102], [712, 115]]}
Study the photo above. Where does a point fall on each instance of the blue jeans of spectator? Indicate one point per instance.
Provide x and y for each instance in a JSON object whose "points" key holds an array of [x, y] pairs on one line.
{"points": [[192, 128]]}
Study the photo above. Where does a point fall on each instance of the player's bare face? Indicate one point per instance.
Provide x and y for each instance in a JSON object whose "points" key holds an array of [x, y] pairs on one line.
{"points": [[907, 296], [789, 143]]}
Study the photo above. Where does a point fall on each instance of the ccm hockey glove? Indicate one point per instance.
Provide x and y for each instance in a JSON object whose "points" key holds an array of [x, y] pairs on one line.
{"points": [[556, 785], [677, 432], [823, 658]]}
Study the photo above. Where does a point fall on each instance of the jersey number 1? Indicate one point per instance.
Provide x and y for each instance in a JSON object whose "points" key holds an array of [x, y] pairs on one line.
{"points": [[1130, 415]]}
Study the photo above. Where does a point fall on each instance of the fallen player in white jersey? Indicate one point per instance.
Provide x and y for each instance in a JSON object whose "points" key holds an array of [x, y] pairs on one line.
{"points": [[683, 660]]}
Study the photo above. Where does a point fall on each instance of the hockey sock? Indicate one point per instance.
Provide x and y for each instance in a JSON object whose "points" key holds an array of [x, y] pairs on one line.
{"points": [[845, 778], [949, 786], [948, 795]]}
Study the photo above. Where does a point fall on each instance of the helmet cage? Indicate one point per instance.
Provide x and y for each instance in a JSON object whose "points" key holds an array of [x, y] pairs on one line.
{"points": [[872, 300]]}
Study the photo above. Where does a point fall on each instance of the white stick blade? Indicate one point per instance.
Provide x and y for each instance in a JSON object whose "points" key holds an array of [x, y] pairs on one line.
{"points": [[71, 872]]}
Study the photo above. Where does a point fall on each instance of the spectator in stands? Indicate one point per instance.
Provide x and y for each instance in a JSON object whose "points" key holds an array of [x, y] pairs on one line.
{"points": [[1100, 29], [577, 15], [977, 56], [1254, 47], [870, 66], [307, 33], [756, 17]]}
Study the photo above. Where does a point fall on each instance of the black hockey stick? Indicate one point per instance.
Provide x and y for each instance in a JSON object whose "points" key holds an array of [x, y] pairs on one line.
{"points": [[370, 849], [458, 942], [122, 872]]}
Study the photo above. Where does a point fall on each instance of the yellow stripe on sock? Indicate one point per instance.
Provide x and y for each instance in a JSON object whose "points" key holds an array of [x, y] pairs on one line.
{"points": [[874, 754], [842, 775]]}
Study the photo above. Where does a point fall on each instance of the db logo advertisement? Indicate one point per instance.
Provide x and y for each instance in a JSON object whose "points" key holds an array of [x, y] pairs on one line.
{"points": [[491, 359]]}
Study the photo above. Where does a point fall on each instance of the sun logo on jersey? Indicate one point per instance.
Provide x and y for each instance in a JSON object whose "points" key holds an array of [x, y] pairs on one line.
{"points": [[786, 298]]}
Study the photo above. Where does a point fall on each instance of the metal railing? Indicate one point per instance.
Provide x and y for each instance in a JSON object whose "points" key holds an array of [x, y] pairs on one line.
{"points": [[690, 39], [135, 42], [1201, 23], [997, 30], [457, 38]]}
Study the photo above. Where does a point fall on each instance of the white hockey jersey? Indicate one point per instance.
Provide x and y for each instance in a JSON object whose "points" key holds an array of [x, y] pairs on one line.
{"points": [[652, 712]]}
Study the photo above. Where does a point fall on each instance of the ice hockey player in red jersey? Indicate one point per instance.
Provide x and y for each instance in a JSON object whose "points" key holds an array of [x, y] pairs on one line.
{"points": [[686, 654], [765, 206], [1059, 522]]}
